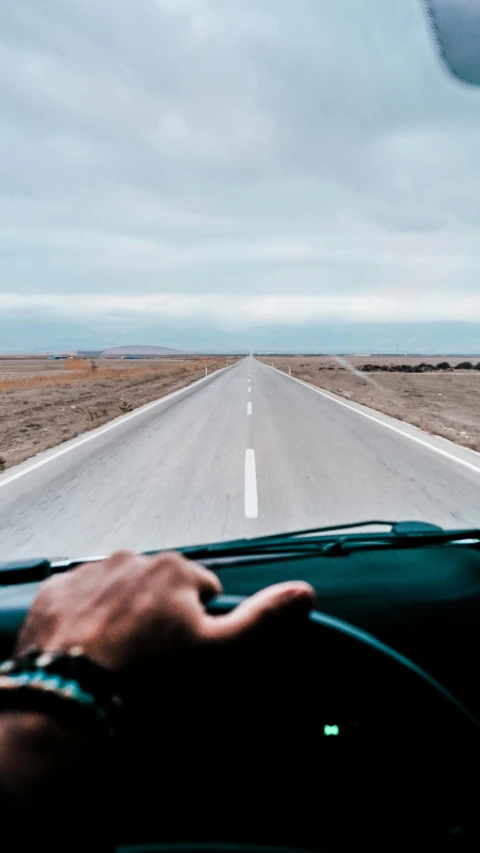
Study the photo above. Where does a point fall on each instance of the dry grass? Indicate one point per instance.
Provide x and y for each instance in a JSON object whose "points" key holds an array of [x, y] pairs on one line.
{"points": [[76, 364], [441, 403], [80, 371], [45, 403]]}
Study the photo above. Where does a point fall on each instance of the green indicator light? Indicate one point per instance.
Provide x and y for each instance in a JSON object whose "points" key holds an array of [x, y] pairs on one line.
{"points": [[331, 730]]}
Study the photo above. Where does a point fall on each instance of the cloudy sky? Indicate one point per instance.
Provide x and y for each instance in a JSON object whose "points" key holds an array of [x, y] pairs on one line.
{"points": [[239, 163]]}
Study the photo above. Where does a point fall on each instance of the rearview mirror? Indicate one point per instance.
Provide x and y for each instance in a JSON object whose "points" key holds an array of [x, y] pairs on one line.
{"points": [[456, 26]]}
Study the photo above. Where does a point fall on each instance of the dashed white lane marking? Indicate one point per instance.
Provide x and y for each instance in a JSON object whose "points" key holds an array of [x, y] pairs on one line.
{"points": [[251, 500], [249, 408], [4, 481], [392, 427], [249, 387]]}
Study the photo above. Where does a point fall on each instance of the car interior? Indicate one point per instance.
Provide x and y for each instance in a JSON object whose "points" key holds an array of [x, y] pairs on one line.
{"points": [[355, 729]]}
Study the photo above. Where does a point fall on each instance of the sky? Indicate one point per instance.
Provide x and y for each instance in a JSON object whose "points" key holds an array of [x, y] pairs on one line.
{"points": [[233, 164]]}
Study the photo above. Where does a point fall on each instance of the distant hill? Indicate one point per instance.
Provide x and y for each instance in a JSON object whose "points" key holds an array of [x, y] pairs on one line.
{"points": [[37, 333], [138, 349]]}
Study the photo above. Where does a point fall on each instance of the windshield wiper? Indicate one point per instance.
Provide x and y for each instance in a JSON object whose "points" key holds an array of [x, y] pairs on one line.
{"points": [[308, 542], [318, 541], [278, 539], [354, 526]]}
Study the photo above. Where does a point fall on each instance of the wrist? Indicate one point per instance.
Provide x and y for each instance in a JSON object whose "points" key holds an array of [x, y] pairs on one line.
{"points": [[58, 641], [68, 687]]}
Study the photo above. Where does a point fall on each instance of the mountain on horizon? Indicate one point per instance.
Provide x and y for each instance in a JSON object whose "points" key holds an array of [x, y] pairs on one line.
{"points": [[33, 334], [141, 349]]}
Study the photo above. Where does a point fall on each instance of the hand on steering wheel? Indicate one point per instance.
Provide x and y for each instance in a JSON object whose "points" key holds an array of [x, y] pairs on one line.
{"points": [[128, 609]]}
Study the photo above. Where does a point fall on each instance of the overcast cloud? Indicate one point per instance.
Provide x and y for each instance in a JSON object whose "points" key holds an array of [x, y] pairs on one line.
{"points": [[245, 161]]}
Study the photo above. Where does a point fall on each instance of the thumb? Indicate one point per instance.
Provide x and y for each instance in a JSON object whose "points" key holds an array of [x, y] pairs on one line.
{"points": [[265, 606]]}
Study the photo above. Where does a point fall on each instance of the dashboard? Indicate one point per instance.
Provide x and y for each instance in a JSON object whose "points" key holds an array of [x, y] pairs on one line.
{"points": [[422, 601], [305, 739], [303, 736]]}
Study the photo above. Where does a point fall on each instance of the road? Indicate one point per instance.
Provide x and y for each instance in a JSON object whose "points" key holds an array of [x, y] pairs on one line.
{"points": [[249, 452]]}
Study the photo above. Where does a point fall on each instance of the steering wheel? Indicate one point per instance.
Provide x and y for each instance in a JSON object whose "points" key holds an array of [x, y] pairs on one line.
{"points": [[316, 734], [311, 735], [332, 626]]}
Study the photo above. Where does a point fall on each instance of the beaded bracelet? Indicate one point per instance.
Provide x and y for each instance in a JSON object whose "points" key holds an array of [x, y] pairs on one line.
{"points": [[63, 684]]}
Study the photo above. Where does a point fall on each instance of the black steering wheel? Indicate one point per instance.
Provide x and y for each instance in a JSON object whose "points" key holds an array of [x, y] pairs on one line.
{"points": [[331, 627], [310, 735]]}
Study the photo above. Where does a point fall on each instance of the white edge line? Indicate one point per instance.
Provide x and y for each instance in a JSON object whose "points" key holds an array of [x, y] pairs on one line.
{"points": [[101, 430], [249, 408], [370, 417], [251, 500]]}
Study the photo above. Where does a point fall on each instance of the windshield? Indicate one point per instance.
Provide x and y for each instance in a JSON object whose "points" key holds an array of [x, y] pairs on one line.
{"points": [[239, 289]]}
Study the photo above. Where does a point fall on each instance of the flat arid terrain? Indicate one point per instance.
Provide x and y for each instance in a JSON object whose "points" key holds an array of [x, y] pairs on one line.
{"points": [[44, 402], [442, 401]]}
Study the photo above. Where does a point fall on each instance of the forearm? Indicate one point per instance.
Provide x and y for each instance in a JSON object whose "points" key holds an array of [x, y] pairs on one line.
{"points": [[53, 784], [39, 756]]}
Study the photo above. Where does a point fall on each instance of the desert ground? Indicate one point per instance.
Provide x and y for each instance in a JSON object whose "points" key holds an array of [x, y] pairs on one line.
{"points": [[443, 402], [44, 402]]}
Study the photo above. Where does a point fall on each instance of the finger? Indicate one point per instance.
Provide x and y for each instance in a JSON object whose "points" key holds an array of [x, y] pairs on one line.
{"points": [[186, 572], [119, 559], [207, 582], [261, 608]]}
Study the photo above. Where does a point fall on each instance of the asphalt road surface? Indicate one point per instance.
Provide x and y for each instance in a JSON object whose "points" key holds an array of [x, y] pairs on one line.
{"points": [[247, 452]]}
